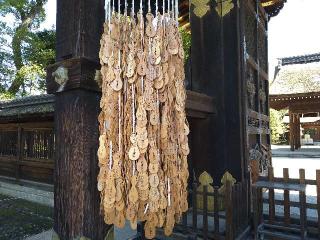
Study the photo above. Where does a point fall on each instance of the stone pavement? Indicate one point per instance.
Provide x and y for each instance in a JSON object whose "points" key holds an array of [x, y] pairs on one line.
{"points": [[47, 235], [310, 151], [308, 158], [35, 192]]}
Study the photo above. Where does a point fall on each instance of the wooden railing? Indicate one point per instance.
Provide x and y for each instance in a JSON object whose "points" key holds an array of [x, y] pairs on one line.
{"points": [[286, 218], [26, 152], [222, 215]]}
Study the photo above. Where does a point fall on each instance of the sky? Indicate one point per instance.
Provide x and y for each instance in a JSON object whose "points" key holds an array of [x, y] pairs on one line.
{"points": [[51, 10], [295, 31]]}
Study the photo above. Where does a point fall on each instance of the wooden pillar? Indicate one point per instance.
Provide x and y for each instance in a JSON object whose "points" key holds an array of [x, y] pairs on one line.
{"points": [[217, 63], [298, 132], [19, 154], [77, 200], [294, 131], [291, 130]]}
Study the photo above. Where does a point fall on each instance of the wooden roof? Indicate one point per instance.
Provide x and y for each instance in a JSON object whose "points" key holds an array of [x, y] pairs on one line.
{"points": [[273, 7], [297, 103], [297, 75], [40, 107]]}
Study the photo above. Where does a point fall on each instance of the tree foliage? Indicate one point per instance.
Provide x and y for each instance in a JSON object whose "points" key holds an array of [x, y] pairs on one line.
{"points": [[24, 50], [278, 128], [186, 41]]}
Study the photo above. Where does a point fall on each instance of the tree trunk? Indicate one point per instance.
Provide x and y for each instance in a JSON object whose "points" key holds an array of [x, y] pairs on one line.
{"points": [[17, 59], [27, 18]]}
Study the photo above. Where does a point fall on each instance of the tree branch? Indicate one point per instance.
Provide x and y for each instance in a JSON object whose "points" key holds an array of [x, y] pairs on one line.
{"points": [[20, 33]]}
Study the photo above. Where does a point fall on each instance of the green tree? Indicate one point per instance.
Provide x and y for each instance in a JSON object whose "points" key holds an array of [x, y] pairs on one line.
{"points": [[24, 50], [186, 41], [277, 127]]}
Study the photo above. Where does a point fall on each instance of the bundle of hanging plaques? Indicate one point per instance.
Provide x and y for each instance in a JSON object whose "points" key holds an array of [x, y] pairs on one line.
{"points": [[143, 144]]}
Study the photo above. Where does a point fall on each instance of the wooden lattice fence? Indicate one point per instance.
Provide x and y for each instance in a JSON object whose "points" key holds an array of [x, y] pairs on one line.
{"points": [[311, 204], [26, 151]]}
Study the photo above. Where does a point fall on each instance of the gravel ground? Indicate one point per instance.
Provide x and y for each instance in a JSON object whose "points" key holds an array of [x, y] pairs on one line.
{"points": [[20, 219]]}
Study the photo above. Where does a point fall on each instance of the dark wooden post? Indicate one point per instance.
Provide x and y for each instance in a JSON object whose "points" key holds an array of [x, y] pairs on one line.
{"points": [[286, 198], [318, 199], [229, 213], [77, 201], [298, 132], [217, 63], [296, 129], [302, 198], [271, 196], [291, 130], [19, 153]]}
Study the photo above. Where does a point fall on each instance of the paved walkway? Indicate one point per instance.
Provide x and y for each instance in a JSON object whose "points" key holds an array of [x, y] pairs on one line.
{"points": [[308, 158], [304, 152], [47, 235], [35, 192]]}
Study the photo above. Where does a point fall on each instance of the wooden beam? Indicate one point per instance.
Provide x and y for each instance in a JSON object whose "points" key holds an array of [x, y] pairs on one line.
{"points": [[299, 103], [201, 103]]}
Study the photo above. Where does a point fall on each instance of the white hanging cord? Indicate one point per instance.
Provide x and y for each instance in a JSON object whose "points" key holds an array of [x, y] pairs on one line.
{"points": [[133, 110], [119, 8], [141, 19], [169, 193], [132, 8], [177, 10], [119, 102], [156, 7], [172, 9], [158, 102], [146, 209], [126, 8], [142, 84], [106, 9], [163, 7], [133, 168], [112, 6], [133, 124], [149, 6], [119, 58], [110, 12], [109, 15], [110, 155]]}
